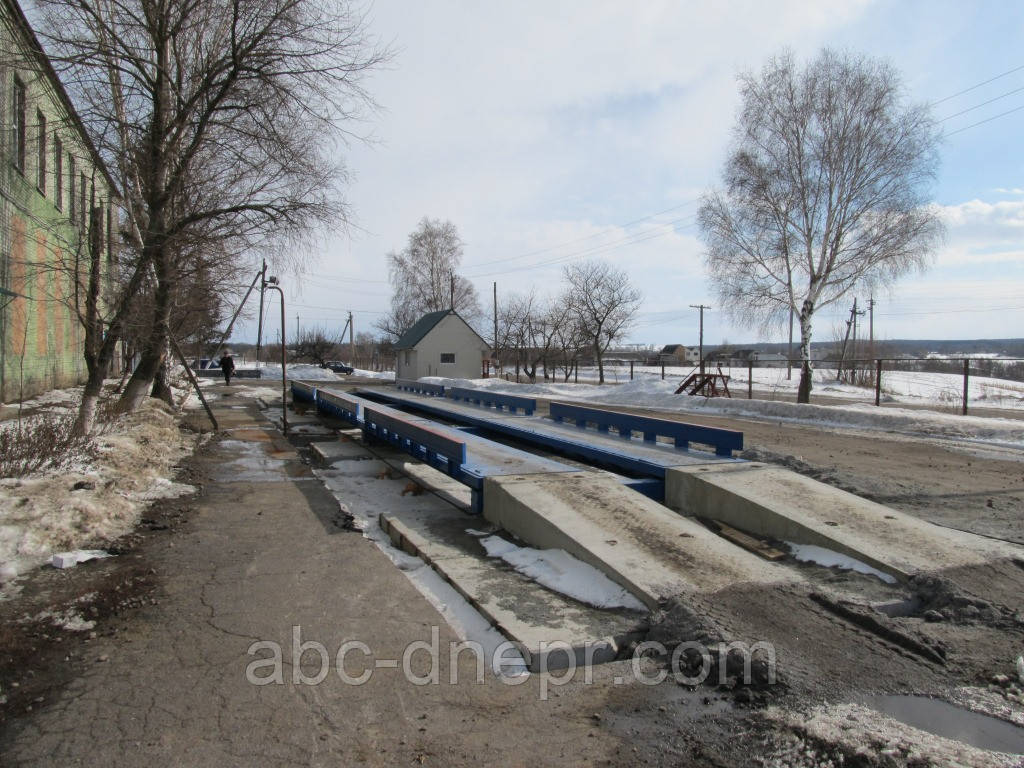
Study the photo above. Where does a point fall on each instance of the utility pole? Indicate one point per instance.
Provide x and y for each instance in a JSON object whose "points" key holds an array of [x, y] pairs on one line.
{"points": [[451, 276], [871, 327], [846, 340], [856, 313], [259, 331], [701, 307], [495, 319], [351, 342], [296, 327]]}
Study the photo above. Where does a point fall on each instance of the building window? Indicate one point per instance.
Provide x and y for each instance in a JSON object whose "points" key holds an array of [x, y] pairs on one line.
{"points": [[58, 171], [41, 133], [71, 188], [18, 108], [447, 358]]}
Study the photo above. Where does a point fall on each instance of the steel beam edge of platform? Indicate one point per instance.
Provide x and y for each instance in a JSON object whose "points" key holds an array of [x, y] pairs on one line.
{"points": [[468, 576], [518, 427]]}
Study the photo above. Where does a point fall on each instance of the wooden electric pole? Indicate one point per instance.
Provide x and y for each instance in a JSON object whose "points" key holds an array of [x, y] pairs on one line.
{"points": [[701, 307]]}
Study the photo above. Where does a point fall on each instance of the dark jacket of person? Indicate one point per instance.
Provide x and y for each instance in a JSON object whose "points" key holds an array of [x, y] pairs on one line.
{"points": [[227, 363]]}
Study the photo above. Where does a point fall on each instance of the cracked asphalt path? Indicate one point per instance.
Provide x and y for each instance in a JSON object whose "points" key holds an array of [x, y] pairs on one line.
{"points": [[260, 555]]}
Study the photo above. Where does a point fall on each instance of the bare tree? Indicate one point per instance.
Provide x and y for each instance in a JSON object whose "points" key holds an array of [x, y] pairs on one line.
{"points": [[222, 120], [316, 345], [604, 303], [569, 339], [825, 190], [424, 277]]}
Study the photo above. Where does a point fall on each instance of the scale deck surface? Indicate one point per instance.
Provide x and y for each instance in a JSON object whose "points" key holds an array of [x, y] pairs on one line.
{"points": [[633, 456]]}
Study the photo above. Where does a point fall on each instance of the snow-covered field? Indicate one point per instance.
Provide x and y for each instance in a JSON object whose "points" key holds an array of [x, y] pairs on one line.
{"points": [[940, 390], [652, 392], [45, 513]]}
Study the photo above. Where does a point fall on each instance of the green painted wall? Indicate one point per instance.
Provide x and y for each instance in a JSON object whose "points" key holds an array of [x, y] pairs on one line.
{"points": [[41, 247]]}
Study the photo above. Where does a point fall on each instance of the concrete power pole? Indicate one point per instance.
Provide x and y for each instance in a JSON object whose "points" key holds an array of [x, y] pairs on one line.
{"points": [[871, 327], [259, 330], [701, 307], [351, 342]]}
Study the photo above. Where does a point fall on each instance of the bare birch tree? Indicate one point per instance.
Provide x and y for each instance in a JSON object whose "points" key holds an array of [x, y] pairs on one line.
{"points": [[424, 278], [825, 190], [604, 303], [223, 121]]}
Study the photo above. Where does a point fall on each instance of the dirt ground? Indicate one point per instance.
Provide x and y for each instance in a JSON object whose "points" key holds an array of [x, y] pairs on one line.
{"points": [[964, 632]]}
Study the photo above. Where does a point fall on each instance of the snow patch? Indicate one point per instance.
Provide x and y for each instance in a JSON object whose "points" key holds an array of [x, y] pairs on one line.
{"points": [[560, 572], [810, 553]]}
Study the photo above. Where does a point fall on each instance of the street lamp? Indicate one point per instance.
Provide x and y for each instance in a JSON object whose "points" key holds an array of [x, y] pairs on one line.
{"points": [[272, 282]]}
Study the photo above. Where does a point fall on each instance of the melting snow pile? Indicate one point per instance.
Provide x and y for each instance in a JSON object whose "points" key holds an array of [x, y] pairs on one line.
{"points": [[44, 513], [560, 572]]}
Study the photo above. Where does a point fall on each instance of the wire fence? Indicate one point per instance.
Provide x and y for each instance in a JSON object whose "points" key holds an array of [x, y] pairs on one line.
{"points": [[953, 384]]}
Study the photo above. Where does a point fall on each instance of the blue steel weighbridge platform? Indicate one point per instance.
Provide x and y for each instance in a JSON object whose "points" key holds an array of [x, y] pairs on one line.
{"points": [[469, 457]]}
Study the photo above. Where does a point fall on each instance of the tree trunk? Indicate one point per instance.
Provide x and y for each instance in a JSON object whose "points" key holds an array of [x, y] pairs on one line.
{"points": [[161, 389], [600, 363], [87, 409], [806, 313], [155, 352]]}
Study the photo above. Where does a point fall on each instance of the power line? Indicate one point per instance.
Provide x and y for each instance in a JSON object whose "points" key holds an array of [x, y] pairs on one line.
{"points": [[583, 238], [978, 85], [634, 239], [982, 104], [986, 120]]}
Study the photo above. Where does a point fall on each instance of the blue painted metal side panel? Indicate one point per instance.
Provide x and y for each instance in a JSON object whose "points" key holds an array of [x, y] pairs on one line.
{"points": [[420, 387], [339, 406], [725, 441], [303, 392], [433, 447], [493, 400]]}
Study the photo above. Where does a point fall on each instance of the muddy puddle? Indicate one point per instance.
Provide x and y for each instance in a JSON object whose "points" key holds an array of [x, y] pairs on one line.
{"points": [[951, 722]]}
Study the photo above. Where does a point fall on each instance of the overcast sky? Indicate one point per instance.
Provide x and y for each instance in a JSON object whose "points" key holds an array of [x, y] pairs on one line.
{"points": [[544, 130]]}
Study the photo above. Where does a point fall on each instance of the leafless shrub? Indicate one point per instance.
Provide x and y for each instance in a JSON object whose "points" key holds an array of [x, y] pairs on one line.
{"points": [[44, 441]]}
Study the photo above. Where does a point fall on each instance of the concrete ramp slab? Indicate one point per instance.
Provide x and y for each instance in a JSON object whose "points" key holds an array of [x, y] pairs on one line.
{"points": [[778, 503], [640, 544], [531, 616]]}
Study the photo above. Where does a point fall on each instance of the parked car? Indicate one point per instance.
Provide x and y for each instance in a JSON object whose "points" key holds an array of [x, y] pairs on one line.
{"points": [[339, 367]]}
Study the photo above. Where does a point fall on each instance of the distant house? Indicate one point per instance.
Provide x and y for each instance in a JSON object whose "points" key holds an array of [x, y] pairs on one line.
{"points": [[679, 354], [440, 344]]}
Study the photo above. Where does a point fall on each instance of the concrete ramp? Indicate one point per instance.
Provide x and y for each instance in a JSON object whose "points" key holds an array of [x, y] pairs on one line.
{"points": [[778, 503], [640, 544]]}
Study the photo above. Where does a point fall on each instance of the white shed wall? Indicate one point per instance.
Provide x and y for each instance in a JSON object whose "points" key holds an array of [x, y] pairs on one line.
{"points": [[449, 335]]}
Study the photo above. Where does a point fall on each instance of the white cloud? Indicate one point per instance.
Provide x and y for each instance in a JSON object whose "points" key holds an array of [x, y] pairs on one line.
{"points": [[533, 124]]}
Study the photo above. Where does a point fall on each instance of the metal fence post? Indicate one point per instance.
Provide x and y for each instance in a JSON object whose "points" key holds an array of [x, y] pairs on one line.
{"points": [[967, 376], [630, 370], [750, 380], [878, 382]]}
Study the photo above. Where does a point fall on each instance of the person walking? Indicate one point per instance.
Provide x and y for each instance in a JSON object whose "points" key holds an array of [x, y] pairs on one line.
{"points": [[227, 366]]}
